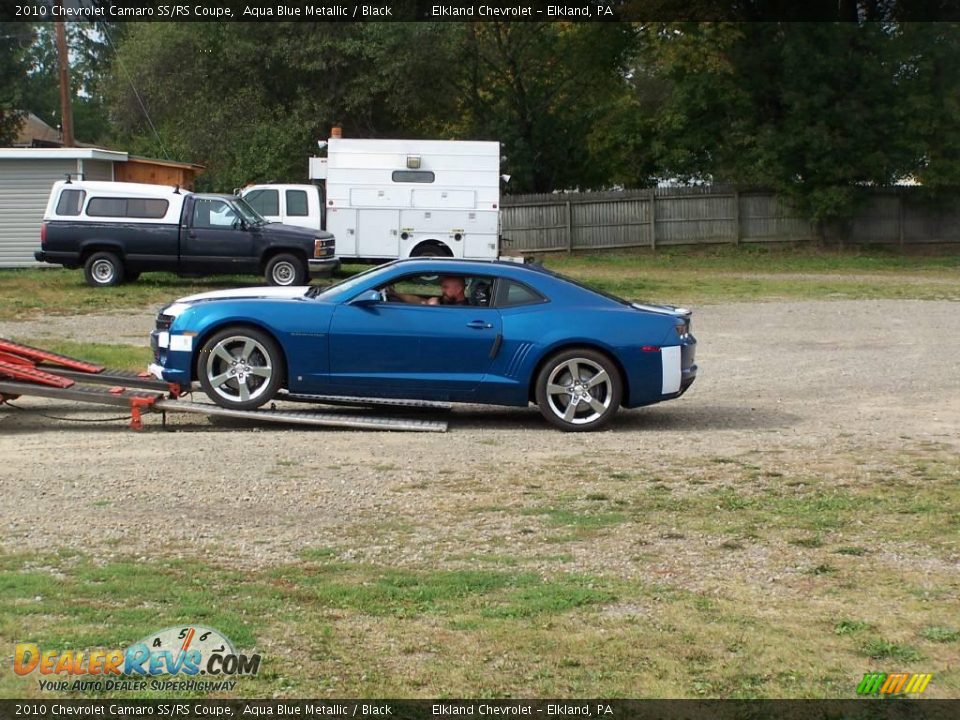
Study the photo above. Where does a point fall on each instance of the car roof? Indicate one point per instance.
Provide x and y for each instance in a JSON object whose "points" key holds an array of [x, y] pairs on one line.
{"points": [[466, 265]]}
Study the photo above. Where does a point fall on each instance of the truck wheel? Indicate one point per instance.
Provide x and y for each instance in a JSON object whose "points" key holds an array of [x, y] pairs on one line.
{"points": [[285, 270], [103, 269], [431, 249], [240, 368], [579, 390]]}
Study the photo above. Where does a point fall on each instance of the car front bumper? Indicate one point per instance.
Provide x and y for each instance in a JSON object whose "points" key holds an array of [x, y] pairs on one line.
{"points": [[323, 266], [170, 365]]}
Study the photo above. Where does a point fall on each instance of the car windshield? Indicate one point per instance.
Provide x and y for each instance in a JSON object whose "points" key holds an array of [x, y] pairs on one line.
{"points": [[344, 286], [251, 216]]}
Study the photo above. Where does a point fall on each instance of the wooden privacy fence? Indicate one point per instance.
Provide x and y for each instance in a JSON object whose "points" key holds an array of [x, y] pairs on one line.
{"points": [[695, 216]]}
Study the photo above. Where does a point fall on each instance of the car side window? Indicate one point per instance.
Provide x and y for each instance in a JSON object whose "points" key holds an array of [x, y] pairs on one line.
{"points": [[511, 293], [441, 290], [266, 201], [145, 208], [296, 203], [213, 214], [70, 202]]}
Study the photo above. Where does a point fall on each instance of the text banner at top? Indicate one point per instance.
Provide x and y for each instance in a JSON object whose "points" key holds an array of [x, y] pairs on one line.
{"points": [[459, 11]]}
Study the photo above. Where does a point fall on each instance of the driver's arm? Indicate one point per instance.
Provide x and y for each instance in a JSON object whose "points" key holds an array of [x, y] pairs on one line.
{"points": [[403, 297]]}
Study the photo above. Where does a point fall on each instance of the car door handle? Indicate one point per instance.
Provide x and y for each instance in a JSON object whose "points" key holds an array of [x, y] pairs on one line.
{"points": [[479, 325]]}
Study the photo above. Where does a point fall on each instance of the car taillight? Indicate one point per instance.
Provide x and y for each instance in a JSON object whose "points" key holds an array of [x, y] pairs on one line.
{"points": [[43, 234]]}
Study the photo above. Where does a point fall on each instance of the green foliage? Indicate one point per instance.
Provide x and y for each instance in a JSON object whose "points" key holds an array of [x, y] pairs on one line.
{"points": [[545, 91], [15, 37], [814, 110], [250, 100]]}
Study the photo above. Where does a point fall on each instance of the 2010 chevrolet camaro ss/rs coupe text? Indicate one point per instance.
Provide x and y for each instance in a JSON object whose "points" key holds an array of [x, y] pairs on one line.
{"points": [[496, 333]]}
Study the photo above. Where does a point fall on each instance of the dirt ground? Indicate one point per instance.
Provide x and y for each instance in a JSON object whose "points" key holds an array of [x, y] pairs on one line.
{"points": [[824, 385]]}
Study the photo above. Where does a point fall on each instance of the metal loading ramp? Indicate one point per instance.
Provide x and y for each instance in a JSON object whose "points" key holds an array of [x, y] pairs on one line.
{"points": [[306, 417], [29, 371]]}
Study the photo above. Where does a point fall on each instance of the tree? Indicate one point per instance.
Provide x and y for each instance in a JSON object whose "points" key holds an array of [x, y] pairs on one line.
{"points": [[545, 90], [250, 100], [15, 37], [813, 110]]}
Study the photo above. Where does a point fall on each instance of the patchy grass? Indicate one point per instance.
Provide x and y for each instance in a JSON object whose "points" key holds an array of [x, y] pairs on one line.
{"points": [[688, 275], [122, 357], [730, 274], [769, 259], [540, 582], [880, 649], [851, 627], [31, 293], [941, 634]]}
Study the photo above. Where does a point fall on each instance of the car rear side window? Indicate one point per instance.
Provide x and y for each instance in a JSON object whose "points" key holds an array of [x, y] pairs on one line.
{"points": [[70, 202], [511, 293], [127, 207], [296, 203], [266, 201]]}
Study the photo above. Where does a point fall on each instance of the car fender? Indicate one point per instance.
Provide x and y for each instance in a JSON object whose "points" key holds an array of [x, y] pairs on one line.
{"points": [[305, 354]]}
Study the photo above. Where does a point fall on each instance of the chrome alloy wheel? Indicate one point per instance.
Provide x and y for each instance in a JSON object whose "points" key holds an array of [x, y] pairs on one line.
{"points": [[103, 271], [579, 391], [239, 369], [284, 273]]}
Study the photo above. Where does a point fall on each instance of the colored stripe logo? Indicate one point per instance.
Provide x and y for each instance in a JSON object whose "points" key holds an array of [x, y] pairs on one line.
{"points": [[902, 683]]}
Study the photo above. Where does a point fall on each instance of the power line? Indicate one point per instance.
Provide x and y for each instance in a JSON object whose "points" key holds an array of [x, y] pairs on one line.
{"points": [[133, 87]]}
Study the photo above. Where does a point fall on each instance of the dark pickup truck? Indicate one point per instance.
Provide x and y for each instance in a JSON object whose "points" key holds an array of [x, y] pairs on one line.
{"points": [[115, 231]]}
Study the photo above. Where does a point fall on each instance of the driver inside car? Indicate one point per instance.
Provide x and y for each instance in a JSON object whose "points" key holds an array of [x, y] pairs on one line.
{"points": [[452, 292]]}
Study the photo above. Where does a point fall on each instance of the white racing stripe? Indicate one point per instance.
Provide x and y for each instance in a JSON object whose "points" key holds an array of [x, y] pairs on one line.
{"points": [[670, 357]]}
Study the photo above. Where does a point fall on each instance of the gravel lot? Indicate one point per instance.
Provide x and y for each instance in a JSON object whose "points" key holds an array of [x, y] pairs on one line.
{"points": [[827, 386]]}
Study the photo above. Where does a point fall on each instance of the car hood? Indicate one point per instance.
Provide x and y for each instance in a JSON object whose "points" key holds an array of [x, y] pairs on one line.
{"points": [[250, 293], [292, 231]]}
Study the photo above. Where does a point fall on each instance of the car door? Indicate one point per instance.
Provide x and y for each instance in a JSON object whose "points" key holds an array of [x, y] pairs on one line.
{"points": [[214, 240], [398, 349]]}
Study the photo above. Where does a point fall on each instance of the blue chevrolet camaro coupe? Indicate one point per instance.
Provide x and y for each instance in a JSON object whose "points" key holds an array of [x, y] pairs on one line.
{"points": [[496, 333]]}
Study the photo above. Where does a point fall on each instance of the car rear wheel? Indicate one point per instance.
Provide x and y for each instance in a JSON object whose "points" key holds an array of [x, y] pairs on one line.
{"points": [[431, 249], [285, 270], [240, 368], [579, 390], [103, 269]]}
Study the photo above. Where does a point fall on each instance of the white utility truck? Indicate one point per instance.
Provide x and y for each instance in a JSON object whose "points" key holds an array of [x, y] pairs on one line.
{"points": [[387, 199]]}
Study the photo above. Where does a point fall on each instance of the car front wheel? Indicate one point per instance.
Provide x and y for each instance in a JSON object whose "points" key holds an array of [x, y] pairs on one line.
{"points": [[285, 270], [579, 390], [240, 368]]}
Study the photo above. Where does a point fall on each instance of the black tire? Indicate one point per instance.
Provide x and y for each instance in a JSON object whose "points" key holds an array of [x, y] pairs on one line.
{"points": [[103, 269], [565, 394], [431, 249], [240, 390], [285, 270]]}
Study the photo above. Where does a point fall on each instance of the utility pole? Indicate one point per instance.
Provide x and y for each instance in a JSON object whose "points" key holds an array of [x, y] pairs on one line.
{"points": [[63, 61]]}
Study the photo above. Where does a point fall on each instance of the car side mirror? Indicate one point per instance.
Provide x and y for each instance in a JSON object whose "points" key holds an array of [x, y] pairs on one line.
{"points": [[367, 297]]}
